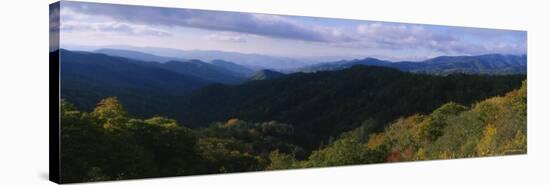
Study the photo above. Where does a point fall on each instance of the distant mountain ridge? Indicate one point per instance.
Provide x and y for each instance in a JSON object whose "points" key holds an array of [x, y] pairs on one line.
{"points": [[88, 77], [216, 71], [136, 55], [266, 74], [443, 65], [249, 60], [235, 68], [200, 69]]}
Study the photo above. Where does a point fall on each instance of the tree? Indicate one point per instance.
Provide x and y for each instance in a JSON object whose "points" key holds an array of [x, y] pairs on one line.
{"points": [[439, 119], [280, 161], [225, 155], [174, 148], [487, 144], [344, 151], [111, 113], [162, 122]]}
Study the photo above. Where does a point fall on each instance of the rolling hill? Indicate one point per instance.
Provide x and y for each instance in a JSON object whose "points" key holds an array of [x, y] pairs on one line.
{"points": [[266, 74], [330, 102], [88, 77], [217, 71], [200, 69], [136, 55], [233, 67]]}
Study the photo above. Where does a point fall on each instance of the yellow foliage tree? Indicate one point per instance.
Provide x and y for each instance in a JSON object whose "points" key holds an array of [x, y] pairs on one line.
{"points": [[486, 145], [111, 113]]}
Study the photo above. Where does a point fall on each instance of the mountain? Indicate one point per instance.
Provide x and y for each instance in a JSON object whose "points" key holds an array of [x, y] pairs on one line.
{"points": [[444, 65], [136, 55], [200, 69], [89, 77], [217, 70], [344, 64], [488, 64], [327, 103], [235, 68], [266, 74], [221, 72], [251, 61]]}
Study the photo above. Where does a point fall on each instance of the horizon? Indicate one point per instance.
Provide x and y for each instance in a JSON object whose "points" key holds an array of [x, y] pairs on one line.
{"points": [[99, 25], [95, 49]]}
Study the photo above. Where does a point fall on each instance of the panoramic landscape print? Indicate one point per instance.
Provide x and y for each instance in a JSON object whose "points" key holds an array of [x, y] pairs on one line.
{"points": [[157, 92]]}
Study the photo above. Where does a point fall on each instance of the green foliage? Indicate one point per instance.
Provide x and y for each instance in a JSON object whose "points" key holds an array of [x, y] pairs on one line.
{"points": [[280, 161], [227, 155], [439, 119], [326, 104], [460, 137], [162, 122], [343, 151], [110, 112], [257, 138], [495, 126], [109, 144], [90, 152]]}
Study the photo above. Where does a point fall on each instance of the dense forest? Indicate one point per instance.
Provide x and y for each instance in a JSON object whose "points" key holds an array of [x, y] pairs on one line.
{"points": [[325, 104], [108, 143]]}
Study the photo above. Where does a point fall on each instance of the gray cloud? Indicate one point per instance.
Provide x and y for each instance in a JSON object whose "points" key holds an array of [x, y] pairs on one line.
{"points": [[258, 24], [114, 27], [391, 36], [227, 37], [54, 26], [142, 20], [396, 37]]}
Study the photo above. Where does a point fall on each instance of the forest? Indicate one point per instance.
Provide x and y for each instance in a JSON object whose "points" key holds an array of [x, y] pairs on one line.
{"points": [[108, 143]]}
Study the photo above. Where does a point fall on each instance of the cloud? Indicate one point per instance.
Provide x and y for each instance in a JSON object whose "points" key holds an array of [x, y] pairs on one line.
{"points": [[393, 36], [114, 27], [54, 26], [54, 17], [258, 24], [227, 37], [238, 27]]}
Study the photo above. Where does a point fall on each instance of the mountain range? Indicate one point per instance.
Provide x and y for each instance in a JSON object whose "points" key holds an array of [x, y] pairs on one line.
{"points": [[443, 65], [266, 74], [246, 64], [88, 77], [248, 60], [324, 103], [136, 55]]}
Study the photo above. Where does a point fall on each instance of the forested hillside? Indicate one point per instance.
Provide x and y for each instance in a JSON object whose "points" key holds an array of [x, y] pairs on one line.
{"points": [[331, 102], [108, 143], [87, 78]]}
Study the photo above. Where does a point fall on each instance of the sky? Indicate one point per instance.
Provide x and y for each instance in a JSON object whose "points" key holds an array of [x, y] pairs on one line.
{"points": [[99, 25]]}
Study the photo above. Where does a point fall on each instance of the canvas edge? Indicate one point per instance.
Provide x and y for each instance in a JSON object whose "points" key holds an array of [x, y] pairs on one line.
{"points": [[54, 97]]}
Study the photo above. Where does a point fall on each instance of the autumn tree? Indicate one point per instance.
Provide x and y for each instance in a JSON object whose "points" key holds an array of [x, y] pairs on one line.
{"points": [[111, 113]]}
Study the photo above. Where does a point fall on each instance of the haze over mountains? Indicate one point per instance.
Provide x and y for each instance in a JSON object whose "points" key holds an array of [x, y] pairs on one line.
{"points": [[482, 64], [252, 61], [443, 65]]}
